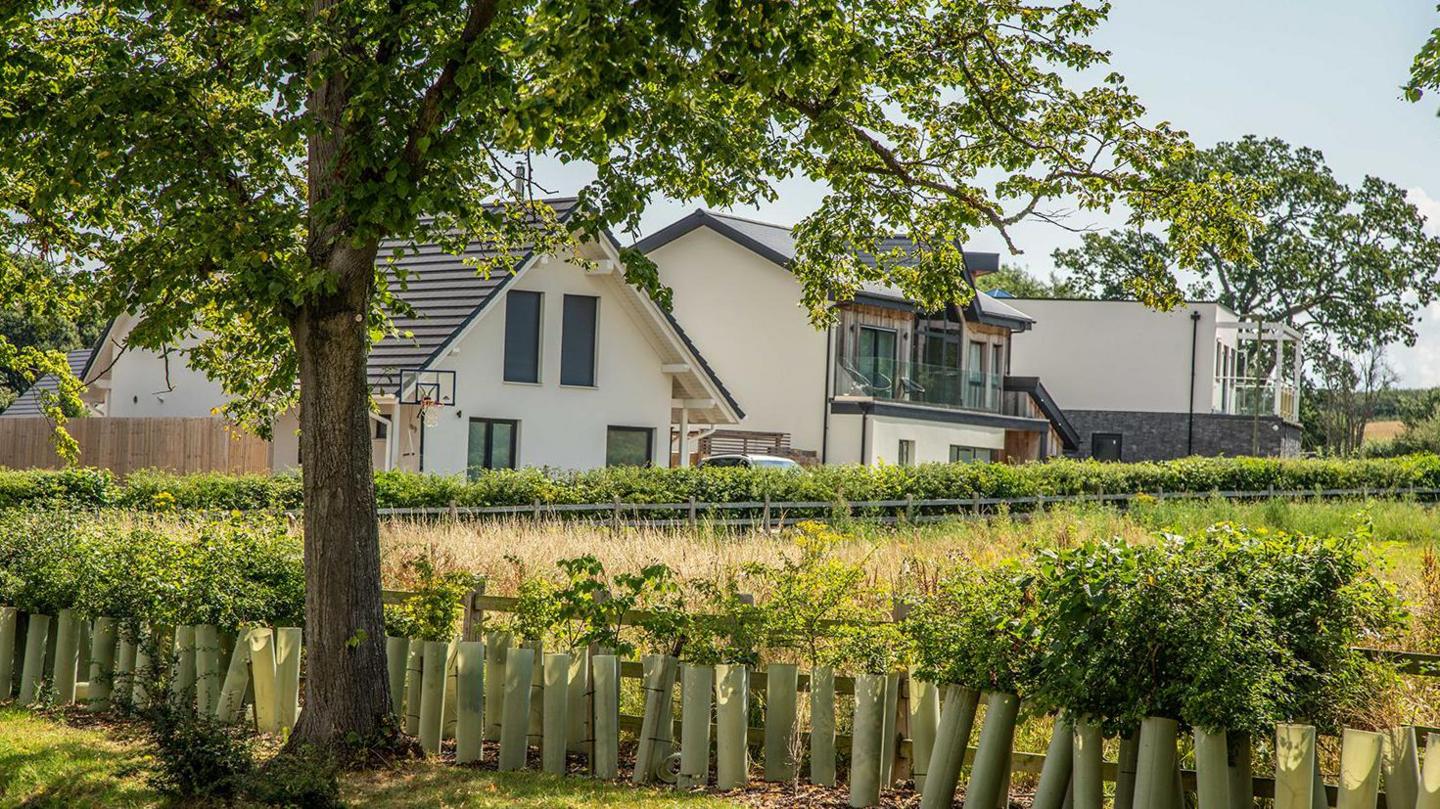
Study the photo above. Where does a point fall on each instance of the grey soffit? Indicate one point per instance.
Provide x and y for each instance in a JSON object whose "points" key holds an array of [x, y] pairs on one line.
{"points": [[28, 403], [881, 407], [446, 294], [776, 243]]}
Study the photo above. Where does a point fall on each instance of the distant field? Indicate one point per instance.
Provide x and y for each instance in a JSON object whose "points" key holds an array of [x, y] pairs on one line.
{"points": [[1383, 430]]}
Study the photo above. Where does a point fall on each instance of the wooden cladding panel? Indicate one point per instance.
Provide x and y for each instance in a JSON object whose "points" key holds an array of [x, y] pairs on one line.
{"points": [[124, 445]]}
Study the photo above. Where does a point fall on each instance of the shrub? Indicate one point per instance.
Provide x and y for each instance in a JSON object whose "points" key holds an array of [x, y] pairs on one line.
{"points": [[434, 611], [308, 779], [198, 757], [975, 627]]}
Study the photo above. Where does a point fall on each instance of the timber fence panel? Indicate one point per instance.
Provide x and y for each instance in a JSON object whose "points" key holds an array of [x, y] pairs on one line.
{"points": [[129, 444]]}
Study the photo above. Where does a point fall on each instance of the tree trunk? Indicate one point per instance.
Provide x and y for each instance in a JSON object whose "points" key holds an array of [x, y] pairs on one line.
{"points": [[347, 698]]}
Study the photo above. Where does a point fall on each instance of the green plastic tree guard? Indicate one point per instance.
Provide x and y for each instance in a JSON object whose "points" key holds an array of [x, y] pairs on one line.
{"points": [[952, 739], [432, 696], [102, 665], [263, 672], [537, 693], [515, 718], [990, 771], [497, 644], [1242, 785], [207, 668], [67, 656], [182, 683], [1429, 797], [452, 679], [732, 710], [888, 735], [9, 618], [1402, 775], [822, 726], [397, 653], [653, 744], [123, 691], [1155, 769], [781, 696], [1087, 756], [37, 635], [470, 701], [605, 678], [697, 683], [414, 675], [1360, 768], [556, 722], [577, 709], [865, 742], [288, 642], [1295, 773], [231, 702], [1212, 770], [1054, 782], [1125, 770], [924, 719]]}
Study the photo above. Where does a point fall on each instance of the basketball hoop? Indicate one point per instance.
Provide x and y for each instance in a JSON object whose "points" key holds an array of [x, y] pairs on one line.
{"points": [[429, 411]]}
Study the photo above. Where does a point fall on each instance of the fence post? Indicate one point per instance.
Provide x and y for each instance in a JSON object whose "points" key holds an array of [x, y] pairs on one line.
{"points": [[692, 512], [454, 510], [765, 516], [910, 509], [535, 510], [473, 624], [615, 517]]}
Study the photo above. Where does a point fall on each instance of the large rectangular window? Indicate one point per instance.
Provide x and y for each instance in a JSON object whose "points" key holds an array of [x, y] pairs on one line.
{"points": [[628, 446], [492, 444], [577, 341], [876, 360], [522, 336]]}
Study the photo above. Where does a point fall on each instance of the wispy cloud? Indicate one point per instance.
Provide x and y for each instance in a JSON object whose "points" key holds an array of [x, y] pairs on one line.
{"points": [[1429, 206], [1419, 365]]}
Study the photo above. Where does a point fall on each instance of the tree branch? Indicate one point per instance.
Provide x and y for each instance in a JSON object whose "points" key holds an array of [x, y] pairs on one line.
{"points": [[427, 118]]}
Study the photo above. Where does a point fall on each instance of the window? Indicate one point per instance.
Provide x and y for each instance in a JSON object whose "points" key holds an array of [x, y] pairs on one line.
{"points": [[492, 444], [382, 428], [522, 336], [961, 454], [628, 446], [1105, 446], [577, 341], [876, 360], [905, 454]]}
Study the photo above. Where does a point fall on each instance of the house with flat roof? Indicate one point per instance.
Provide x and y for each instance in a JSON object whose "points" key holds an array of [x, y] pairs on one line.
{"points": [[888, 382], [1140, 384]]}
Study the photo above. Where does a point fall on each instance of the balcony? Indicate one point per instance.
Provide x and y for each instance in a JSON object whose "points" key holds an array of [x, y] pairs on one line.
{"points": [[918, 383], [1248, 396]]}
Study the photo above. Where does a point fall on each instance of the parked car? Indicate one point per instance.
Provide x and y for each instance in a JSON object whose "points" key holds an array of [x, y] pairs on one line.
{"points": [[752, 461]]}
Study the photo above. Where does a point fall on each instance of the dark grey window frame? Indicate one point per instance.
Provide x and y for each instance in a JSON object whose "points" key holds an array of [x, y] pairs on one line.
{"points": [[489, 450], [569, 356], [649, 433], [514, 331], [1119, 445]]}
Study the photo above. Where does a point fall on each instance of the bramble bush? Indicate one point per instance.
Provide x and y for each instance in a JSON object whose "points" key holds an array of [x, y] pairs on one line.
{"points": [[148, 491]]}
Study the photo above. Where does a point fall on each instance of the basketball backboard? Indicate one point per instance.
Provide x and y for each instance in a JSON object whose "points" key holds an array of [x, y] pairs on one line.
{"points": [[431, 388]]}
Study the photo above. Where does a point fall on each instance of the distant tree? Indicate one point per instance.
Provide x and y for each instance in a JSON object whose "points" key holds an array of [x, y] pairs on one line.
{"points": [[1351, 263], [232, 169], [1349, 388], [1020, 283], [28, 323]]}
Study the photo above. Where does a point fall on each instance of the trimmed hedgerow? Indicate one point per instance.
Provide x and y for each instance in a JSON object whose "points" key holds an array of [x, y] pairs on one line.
{"points": [[86, 488]]}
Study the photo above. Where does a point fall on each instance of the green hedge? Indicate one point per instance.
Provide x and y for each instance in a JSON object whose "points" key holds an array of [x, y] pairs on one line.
{"points": [[89, 488]]}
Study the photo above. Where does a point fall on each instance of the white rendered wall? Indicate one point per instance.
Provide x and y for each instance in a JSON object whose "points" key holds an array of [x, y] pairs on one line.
{"points": [[140, 386], [1118, 355], [744, 315], [560, 427], [932, 439]]}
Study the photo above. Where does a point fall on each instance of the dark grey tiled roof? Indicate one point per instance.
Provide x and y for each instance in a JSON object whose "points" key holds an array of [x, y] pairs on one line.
{"points": [[446, 293], [28, 403]]}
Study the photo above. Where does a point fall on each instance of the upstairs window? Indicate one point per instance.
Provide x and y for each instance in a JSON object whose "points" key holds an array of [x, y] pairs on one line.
{"points": [[522, 336], [577, 340]]}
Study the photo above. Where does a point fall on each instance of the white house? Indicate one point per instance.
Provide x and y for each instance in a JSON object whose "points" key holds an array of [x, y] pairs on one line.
{"points": [[888, 383], [1141, 384], [553, 365]]}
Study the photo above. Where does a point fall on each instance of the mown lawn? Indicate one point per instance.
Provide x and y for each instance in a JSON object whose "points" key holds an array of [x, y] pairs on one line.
{"points": [[45, 763]]}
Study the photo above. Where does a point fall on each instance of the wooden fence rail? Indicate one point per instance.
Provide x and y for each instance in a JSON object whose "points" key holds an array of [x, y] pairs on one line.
{"points": [[774, 514]]}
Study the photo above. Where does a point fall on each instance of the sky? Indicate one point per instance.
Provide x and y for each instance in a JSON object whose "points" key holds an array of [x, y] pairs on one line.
{"points": [[1319, 73]]}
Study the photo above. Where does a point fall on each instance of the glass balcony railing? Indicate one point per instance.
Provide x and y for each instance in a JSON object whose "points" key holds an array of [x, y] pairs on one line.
{"points": [[918, 382], [1247, 396]]}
